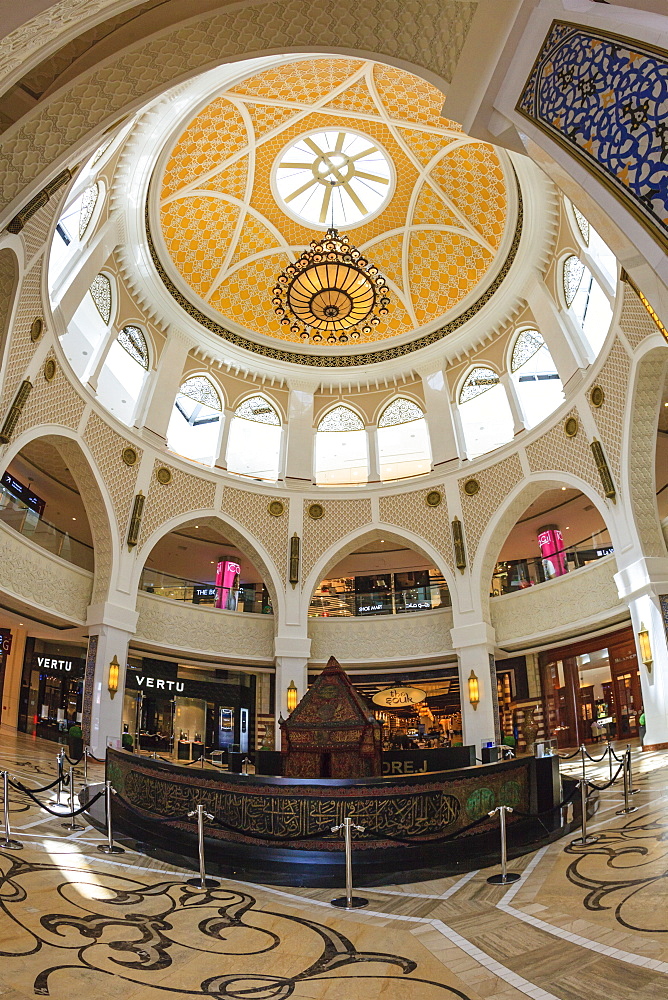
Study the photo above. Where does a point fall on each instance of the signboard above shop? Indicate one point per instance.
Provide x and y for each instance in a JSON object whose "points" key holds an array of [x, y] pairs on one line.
{"points": [[55, 665], [22, 492], [399, 697]]}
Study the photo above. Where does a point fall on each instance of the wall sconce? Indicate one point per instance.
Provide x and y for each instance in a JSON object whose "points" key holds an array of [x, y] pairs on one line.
{"points": [[112, 682], [645, 647], [294, 560], [293, 696], [474, 690]]}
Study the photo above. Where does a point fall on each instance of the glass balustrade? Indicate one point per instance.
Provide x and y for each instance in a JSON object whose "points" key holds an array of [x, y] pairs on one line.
{"points": [[26, 521], [249, 597], [519, 574], [387, 601]]}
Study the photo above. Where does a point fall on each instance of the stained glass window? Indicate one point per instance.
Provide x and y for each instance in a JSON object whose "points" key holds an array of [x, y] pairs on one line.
{"points": [[257, 408], [527, 344], [573, 271], [100, 291], [341, 418], [400, 411], [88, 203], [133, 341], [583, 225], [201, 390], [478, 380]]}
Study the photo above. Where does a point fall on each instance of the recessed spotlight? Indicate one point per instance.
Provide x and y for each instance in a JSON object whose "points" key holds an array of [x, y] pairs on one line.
{"points": [[563, 487], [568, 527], [74, 518]]}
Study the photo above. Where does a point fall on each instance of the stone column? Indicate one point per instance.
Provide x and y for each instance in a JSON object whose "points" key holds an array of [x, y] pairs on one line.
{"points": [[643, 585], [299, 433], [226, 416], [292, 653], [372, 449], [474, 645], [169, 376], [11, 689], [110, 629], [440, 419], [78, 276], [519, 420], [567, 350]]}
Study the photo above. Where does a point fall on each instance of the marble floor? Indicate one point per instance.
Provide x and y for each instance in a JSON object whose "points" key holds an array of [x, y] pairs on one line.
{"points": [[583, 923]]}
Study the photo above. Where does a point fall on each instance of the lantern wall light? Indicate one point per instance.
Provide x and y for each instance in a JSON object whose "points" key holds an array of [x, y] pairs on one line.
{"points": [[645, 646], [474, 690], [112, 682], [292, 696]]}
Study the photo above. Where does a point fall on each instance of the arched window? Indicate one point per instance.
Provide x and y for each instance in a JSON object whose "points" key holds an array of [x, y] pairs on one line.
{"points": [[124, 373], [582, 225], [254, 444], [74, 227], [87, 330], [534, 373], [589, 303], [194, 427], [87, 207], [403, 441], [487, 421], [341, 451]]}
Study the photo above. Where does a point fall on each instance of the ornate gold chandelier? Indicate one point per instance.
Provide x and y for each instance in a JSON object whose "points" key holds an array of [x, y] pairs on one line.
{"points": [[332, 292]]}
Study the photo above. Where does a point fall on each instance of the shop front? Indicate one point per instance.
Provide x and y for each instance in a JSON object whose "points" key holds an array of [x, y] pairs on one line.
{"points": [[184, 711], [591, 690], [51, 689]]}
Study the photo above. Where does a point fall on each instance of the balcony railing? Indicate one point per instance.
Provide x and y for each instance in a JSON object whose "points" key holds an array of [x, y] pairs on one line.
{"points": [[249, 597], [26, 521], [390, 601], [518, 574]]}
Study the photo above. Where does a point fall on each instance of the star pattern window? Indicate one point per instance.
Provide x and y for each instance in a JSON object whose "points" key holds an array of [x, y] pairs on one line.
{"points": [[200, 389], [333, 178], [88, 203], [583, 225], [100, 291], [527, 344], [400, 411], [259, 409], [341, 418], [133, 341], [477, 381], [572, 276]]}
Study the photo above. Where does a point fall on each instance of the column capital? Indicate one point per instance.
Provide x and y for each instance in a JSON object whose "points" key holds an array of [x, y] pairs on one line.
{"points": [[111, 615], [292, 646], [643, 576], [303, 385], [475, 634]]}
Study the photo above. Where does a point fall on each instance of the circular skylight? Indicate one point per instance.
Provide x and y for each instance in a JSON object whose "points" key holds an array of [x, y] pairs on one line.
{"points": [[336, 177]]}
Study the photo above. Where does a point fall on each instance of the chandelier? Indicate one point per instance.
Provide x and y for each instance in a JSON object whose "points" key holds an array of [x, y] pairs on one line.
{"points": [[331, 293]]}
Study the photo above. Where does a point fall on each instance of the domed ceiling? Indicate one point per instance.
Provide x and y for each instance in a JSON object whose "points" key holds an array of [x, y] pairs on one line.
{"points": [[260, 171]]}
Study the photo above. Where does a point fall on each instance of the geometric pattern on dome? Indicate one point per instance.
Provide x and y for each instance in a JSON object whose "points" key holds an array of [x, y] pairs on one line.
{"points": [[88, 203], [227, 237], [527, 344], [100, 292], [341, 418], [200, 389], [573, 270], [133, 341], [583, 224], [400, 411], [477, 381], [259, 409]]}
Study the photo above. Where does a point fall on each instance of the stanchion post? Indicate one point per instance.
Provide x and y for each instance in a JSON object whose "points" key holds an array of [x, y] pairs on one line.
{"points": [[8, 843], [609, 761], [61, 767], [110, 847], [202, 882], [72, 825], [505, 877], [632, 790], [349, 902], [585, 838], [626, 768], [85, 757]]}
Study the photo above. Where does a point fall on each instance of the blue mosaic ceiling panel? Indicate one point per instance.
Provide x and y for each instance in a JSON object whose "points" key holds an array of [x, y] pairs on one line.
{"points": [[607, 103]]}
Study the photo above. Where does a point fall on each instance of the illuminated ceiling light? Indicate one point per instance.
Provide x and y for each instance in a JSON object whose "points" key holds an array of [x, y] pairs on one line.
{"points": [[332, 291]]}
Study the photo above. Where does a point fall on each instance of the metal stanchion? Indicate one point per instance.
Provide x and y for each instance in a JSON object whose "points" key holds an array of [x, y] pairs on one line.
{"points": [[585, 838], [110, 847], [202, 882], [627, 808], [8, 843], [609, 761], [349, 902], [58, 804], [632, 790], [85, 757], [72, 825], [505, 875]]}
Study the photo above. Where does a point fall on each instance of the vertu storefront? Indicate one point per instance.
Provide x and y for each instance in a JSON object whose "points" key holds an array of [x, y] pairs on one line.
{"points": [[592, 690], [184, 710], [51, 689]]}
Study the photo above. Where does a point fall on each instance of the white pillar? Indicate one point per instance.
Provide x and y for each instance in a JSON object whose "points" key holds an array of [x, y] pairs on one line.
{"points": [[299, 433], [168, 380], [440, 419], [292, 653], [78, 276], [110, 629], [519, 420], [372, 449], [474, 645], [11, 689], [226, 416], [640, 585], [99, 362], [567, 349]]}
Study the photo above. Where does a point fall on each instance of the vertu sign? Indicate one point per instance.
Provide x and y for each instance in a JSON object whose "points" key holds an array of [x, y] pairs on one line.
{"points": [[59, 666]]}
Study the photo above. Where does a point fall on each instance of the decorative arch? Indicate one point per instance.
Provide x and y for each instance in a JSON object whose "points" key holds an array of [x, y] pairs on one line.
{"points": [[360, 536], [336, 414], [391, 413], [505, 518], [248, 403], [210, 395], [484, 410], [99, 508], [251, 547]]}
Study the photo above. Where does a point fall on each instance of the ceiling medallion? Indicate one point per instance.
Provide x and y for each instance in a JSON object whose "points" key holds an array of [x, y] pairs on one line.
{"points": [[276, 508], [36, 329], [164, 476], [316, 511], [571, 426], [597, 396], [50, 369], [471, 487], [129, 456], [331, 293], [433, 498]]}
